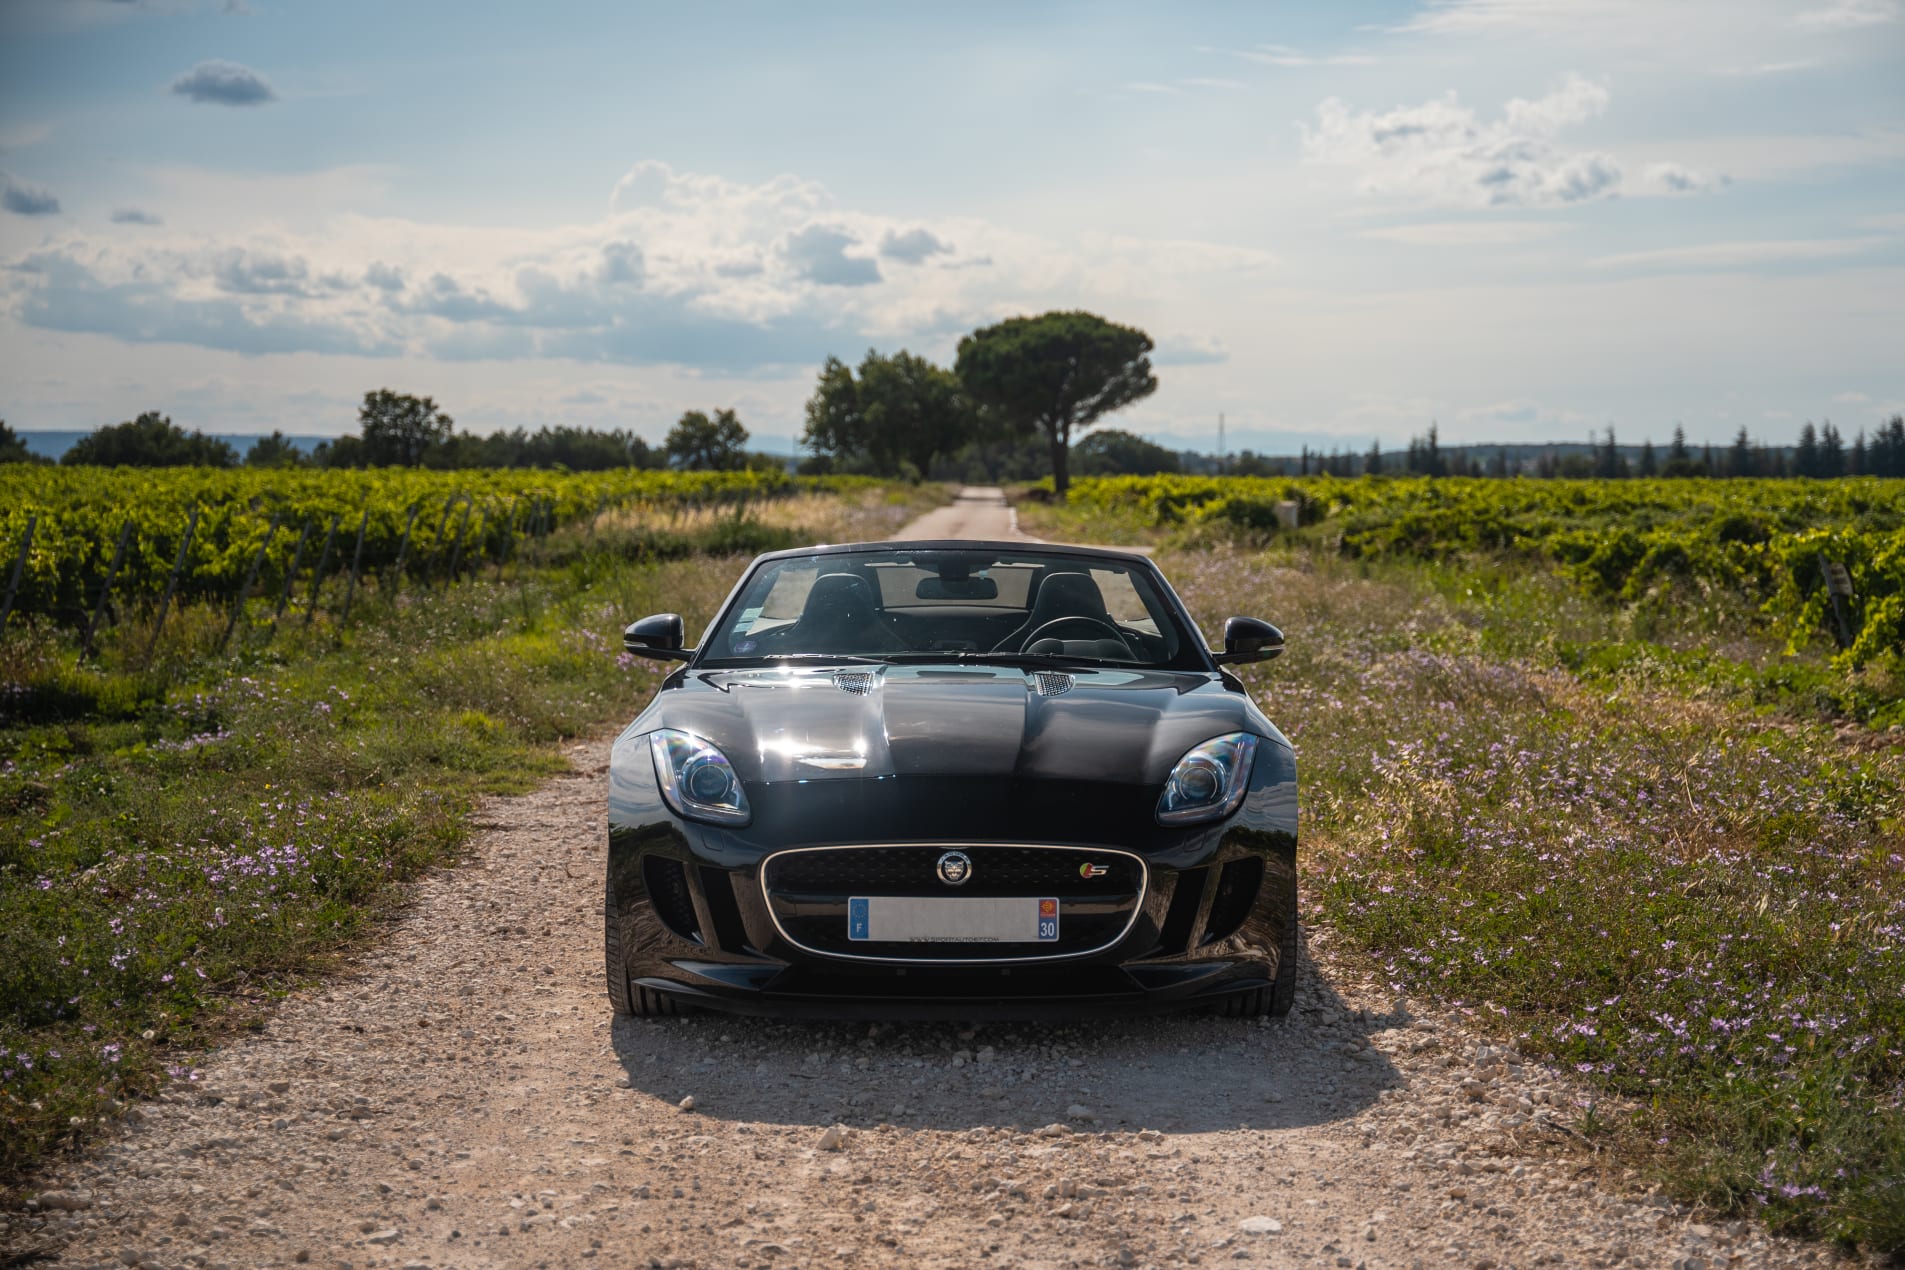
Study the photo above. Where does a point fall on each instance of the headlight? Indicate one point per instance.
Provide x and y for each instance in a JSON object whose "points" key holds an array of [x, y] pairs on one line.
{"points": [[1209, 782], [697, 779]]}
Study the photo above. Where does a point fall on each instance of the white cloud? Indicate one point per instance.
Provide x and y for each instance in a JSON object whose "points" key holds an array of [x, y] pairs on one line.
{"points": [[1667, 180], [1441, 153], [1739, 255], [684, 269]]}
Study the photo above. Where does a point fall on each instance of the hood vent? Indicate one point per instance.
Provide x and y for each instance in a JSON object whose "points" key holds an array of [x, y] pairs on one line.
{"points": [[859, 683], [1053, 683]]}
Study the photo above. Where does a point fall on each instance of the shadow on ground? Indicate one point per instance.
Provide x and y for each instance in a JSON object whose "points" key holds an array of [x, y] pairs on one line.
{"points": [[1180, 1073]]}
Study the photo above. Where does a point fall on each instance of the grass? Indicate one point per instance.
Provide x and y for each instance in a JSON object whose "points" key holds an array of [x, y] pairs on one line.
{"points": [[1609, 832], [178, 843]]}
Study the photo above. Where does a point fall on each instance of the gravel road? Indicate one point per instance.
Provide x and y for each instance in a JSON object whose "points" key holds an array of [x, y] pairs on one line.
{"points": [[461, 1096]]}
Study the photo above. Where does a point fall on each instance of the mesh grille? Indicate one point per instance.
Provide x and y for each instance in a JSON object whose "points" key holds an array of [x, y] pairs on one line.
{"points": [[914, 870], [858, 682], [1054, 683]]}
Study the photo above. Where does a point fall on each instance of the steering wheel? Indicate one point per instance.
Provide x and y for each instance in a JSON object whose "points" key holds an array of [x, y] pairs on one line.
{"points": [[1076, 620]]}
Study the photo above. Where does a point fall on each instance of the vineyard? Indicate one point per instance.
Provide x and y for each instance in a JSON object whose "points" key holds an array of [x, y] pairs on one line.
{"points": [[80, 542], [1764, 540]]}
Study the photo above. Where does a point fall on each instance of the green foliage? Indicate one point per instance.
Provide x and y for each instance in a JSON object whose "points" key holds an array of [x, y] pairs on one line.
{"points": [[1053, 375], [399, 429], [571, 449], [1112, 452], [901, 410], [274, 451], [81, 511], [1630, 541], [703, 444], [13, 449], [151, 440]]}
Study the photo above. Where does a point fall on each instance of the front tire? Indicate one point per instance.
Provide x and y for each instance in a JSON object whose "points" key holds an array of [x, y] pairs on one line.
{"points": [[629, 998], [1276, 999]]}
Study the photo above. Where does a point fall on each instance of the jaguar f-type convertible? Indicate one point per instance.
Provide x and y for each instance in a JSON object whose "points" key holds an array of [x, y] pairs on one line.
{"points": [[951, 780]]}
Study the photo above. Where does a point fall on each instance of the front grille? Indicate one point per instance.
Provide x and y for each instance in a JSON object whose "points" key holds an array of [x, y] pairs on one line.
{"points": [[1098, 893], [914, 871]]}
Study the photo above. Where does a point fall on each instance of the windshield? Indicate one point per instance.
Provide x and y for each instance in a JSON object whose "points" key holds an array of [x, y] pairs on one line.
{"points": [[1027, 607]]}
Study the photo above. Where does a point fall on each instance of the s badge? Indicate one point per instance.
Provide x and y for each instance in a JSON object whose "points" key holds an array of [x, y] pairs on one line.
{"points": [[1089, 870]]}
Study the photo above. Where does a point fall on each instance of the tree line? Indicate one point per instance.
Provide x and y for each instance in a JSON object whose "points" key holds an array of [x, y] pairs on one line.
{"points": [[400, 430], [1821, 453]]}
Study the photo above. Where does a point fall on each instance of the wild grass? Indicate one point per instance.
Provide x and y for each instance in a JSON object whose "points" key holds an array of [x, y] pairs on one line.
{"points": [[179, 841], [1696, 907]]}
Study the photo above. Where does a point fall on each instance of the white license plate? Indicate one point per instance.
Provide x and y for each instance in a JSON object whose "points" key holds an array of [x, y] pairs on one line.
{"points": [[908, 919]]}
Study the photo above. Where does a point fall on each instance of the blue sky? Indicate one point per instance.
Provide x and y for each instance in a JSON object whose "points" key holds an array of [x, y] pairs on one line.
{"points": [[1525, 219]]}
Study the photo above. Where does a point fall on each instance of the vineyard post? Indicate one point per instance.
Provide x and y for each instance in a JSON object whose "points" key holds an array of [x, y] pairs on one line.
{"points": [[317, 577], [172, 584], [251, 577], [357, 563], [403, 548], [290, 576], [105, 589], [443, 528], [1838, 590], [19, 568], [509, 538], [456, 553], [600, 504]]}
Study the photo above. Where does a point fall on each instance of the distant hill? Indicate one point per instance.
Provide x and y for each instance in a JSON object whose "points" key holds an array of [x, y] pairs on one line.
{"points": [[54, 444]]}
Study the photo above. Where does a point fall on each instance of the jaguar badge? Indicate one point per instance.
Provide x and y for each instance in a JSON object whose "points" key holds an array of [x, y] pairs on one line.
{"points": [[954, 868]]}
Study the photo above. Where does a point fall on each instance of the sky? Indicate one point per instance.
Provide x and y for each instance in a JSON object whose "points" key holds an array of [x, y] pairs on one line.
{"points": [[1523, 220]]}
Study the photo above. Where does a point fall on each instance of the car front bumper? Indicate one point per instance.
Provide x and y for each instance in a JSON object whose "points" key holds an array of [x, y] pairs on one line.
{"points": [[1210, 909]]}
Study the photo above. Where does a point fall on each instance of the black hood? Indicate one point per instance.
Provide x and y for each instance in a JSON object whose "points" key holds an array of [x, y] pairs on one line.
{"points": [[860, 722]]}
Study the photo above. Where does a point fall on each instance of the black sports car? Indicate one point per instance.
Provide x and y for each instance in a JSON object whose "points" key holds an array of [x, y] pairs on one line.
{"points": [[951, 779]]}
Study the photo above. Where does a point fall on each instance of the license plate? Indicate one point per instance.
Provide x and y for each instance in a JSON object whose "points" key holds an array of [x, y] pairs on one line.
{"points": [[908, 919]]}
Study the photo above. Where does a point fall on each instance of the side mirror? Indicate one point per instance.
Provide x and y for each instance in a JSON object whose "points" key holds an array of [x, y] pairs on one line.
{"points": [[658, 637], [1247, 639]]}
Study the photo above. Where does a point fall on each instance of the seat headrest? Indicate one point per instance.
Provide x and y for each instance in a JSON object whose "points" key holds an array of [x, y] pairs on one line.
{"points": [[1068, 595]]}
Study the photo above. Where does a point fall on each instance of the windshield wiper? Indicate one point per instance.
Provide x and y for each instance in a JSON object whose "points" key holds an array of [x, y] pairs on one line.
{"points": [[1043, 661]]}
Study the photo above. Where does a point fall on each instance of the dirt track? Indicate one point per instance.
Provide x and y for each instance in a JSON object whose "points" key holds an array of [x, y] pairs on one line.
{"points": [[463, 1098]]}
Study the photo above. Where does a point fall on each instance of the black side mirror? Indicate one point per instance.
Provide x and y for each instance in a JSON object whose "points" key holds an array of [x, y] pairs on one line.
{"points": [[658, 637], [1247, 639]]}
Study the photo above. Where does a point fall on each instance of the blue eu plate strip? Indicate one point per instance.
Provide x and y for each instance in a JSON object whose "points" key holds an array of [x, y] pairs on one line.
{"points": [[859, 923]]}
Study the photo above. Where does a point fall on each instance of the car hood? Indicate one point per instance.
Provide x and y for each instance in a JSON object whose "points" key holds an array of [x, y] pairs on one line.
{"points": [[860, 722]]}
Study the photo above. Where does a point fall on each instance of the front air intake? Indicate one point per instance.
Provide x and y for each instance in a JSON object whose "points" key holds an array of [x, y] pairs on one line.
{"points": [[667, 884], [1237, 888]]}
